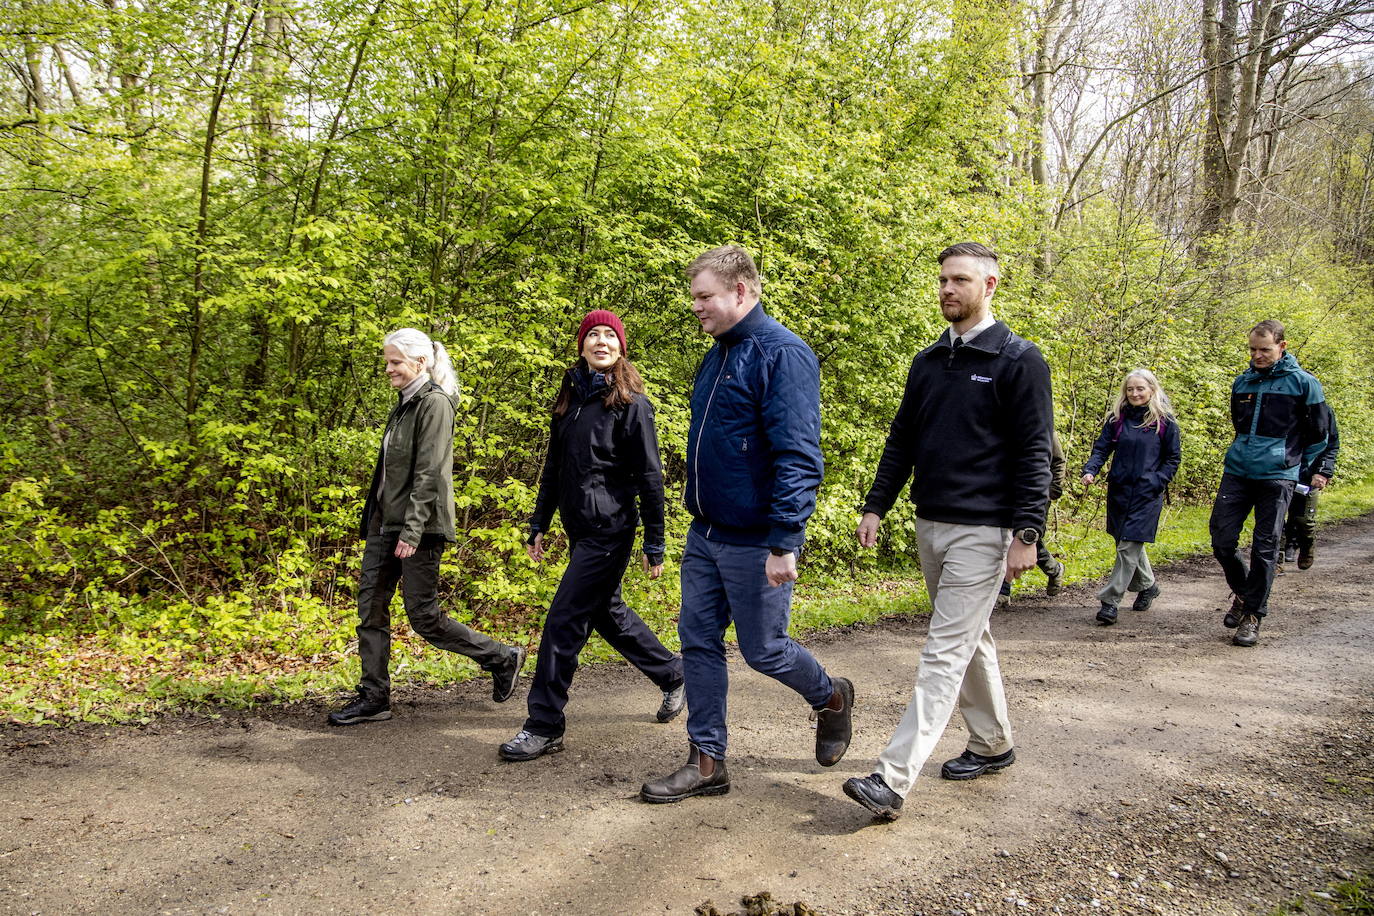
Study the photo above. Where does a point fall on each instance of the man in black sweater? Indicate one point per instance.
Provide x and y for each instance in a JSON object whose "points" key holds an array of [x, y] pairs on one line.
{"points": [[974, 427]]}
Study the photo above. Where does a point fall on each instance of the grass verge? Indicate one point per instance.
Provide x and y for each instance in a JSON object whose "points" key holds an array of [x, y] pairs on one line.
{"points": [[118, 674]]}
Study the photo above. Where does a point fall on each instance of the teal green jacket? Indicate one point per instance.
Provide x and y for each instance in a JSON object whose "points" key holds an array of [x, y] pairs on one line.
{"points": [[417, 498], [1281, 421]]}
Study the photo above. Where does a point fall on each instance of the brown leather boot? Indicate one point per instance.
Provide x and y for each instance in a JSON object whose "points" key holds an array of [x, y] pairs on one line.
{"points": [[835, 726], [700, 775]]}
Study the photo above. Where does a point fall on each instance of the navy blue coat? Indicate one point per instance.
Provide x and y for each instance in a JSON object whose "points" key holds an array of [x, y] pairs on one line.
{"points": [[754, 447], [1146, 460]]}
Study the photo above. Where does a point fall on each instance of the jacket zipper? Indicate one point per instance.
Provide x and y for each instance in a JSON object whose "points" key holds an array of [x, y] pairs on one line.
{"points": [[696, 456]]}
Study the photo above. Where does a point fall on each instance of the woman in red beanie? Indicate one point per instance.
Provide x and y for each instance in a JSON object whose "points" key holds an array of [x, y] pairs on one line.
{"points": [[602, 461]]}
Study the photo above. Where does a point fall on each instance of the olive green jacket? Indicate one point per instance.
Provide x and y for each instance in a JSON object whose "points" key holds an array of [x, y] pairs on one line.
{"points": [[418, 494]]}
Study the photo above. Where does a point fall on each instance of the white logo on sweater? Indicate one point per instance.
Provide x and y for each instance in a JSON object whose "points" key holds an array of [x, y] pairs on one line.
{"points": [[980, 378]]}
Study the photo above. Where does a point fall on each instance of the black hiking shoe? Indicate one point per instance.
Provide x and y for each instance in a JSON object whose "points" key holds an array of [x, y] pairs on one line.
{"points": [[1248, 633], [674, 702], [503, 679], [366, 708], [969, 765], [1106, 614], [527, 746], [1144, 599], [1232, 618], [872, 792], [1054, 581]]}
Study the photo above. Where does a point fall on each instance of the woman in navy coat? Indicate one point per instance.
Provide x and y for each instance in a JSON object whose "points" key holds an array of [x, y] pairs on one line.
{"points": [[1141, 430]]}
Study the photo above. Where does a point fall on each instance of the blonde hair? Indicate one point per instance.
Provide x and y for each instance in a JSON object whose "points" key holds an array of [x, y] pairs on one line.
{"points": [[731, 264], [1158, 410], [416, 345]]}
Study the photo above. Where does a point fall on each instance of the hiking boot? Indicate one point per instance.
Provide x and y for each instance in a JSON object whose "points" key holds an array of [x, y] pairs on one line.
{"points": [[1054, 581], [526, 745], [1307, 555], [688, 781], [1232, 618], [1290, 554], [872, 792], [1248, 632], [834, 727], [1144, 599], [1003, 597], [1106, 614], [366, 708], [503, 679], [969, 765], [674, 702]]}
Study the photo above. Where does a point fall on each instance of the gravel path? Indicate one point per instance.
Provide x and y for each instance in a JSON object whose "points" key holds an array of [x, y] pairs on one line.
{"points": [[1159, 770]]}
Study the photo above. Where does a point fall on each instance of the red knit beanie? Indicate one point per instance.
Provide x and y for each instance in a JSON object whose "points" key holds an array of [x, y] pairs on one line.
{"points": [[609, 319]]}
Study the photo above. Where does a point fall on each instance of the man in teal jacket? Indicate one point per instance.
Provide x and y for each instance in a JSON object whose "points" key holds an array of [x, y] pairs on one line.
{"points": [[1281, 420]]}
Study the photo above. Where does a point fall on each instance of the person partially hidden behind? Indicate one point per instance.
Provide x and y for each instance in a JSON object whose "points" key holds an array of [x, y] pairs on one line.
{"points": [[1044, 560], [1300, 531], [974, 428]]}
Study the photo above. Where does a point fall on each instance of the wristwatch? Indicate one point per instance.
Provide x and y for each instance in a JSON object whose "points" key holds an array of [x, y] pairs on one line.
{"points": [[1027, 535]]}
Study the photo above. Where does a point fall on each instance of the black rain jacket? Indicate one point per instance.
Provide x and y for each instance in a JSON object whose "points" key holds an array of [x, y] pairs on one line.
{"points": [[600, 462]]}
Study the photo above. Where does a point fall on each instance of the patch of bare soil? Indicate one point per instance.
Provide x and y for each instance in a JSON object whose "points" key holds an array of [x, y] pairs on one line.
{"points": [[1160, 769]]}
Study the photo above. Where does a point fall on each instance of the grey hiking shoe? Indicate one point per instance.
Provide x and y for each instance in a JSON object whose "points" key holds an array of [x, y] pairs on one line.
{"points": [[674, 702], [1248, 632]]}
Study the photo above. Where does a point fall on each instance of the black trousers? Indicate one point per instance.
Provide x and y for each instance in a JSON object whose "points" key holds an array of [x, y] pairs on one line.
{"points": [[1236, 498], [1301, 528], [589, 599], [418, 576]]}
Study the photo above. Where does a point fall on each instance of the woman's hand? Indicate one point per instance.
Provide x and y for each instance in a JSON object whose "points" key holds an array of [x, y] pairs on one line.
{"points": [[404, 550], [1088, 480], [536, 550], [653, 569]]}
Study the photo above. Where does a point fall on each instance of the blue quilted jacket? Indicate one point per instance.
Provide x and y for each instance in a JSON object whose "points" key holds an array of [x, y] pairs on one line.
{"points": [[754, 447]]}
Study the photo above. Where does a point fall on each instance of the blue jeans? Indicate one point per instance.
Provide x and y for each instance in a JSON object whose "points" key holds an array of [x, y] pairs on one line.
{"points": [[724, 582]]}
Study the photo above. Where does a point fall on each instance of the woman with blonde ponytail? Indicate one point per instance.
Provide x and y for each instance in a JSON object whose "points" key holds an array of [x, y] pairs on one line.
{"points": [[407, 522]]}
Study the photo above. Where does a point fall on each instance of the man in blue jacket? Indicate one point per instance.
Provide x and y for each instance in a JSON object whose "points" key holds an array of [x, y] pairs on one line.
{"points": [[753, 467], [973, 434], [1281, 421]]}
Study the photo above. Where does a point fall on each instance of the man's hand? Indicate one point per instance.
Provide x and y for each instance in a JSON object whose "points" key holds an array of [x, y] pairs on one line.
{"points": [[653, 569], [1319, 482], [536, 550], [867, 532], [1088, 480], [1020, 557], [781, 569], [404, 550]]}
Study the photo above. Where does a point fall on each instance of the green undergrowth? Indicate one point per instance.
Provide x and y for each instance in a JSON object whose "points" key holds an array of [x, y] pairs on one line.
{"points": [[1354, 897], [222, 655]]}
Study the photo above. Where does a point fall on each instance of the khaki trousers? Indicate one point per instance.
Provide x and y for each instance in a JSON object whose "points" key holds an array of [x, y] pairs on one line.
{"points": [[1131, 573], [963, 566]]}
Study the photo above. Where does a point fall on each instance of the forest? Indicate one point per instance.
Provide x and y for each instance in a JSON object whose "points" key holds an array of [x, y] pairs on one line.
{"points": [[212, 212]]}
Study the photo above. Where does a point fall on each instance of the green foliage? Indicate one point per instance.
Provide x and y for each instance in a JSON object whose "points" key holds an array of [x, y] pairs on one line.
{"points": [[194, 395]]}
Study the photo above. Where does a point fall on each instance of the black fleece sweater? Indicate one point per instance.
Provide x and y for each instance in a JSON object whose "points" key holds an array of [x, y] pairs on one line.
{"points": [[974, 427]]}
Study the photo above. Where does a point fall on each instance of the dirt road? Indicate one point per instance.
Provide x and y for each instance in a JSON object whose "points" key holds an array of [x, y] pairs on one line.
{"points": [[1159, 769]]}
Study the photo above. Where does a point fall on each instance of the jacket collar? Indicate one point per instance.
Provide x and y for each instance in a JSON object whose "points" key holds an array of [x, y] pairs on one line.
{"points": [[1287, 363], [585, 382], [990, 341], [752, 321]]}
